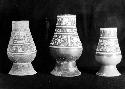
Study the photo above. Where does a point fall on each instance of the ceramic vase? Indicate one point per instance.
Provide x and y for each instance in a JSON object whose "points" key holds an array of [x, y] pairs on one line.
{"points": [[21, 49], [66, 46], [108, 52]]}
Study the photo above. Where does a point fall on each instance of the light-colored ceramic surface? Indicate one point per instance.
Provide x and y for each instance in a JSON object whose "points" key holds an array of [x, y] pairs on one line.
{"points": [[66, 46], [21, 49], [108, 52]]}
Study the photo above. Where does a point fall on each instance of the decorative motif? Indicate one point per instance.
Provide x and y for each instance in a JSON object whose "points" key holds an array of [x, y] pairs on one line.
{"points": [[108, 42], [21, 67], [66, 36], [65, 30], [108, 46], [66, 20], [64, 68], [66, 46], [21, 48], [108, 32], [66, 40], [21, 40]]}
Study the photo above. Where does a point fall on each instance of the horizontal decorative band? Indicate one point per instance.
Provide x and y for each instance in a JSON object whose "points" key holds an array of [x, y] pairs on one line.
{"points": [[66, 26], [16, 44], [65, 47], [67, 15], [101, 53], [21, 53], [109, 37], [24, 63], [67, 33], [106, 54], [65, 30], [111, 28]]}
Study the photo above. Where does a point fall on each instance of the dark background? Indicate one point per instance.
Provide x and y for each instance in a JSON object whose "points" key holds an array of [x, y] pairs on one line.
{"points": [[91, 15]]}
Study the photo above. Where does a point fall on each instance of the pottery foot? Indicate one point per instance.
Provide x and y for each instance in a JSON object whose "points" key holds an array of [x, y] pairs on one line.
{"points": [[67, 69], [22, 69], [108, 71]]}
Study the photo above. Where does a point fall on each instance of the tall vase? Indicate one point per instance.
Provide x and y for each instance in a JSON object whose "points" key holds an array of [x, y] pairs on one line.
{"points": [[21, 49], [108, 52], [66, 46]]}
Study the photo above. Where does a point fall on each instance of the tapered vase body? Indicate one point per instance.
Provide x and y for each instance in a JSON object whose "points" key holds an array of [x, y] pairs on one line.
{"points": [[21, 49], [66, 46], [108, 52]]}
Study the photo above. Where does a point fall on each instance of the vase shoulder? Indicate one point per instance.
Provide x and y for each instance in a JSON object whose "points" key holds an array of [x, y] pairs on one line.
{"points": [[66, 54]]}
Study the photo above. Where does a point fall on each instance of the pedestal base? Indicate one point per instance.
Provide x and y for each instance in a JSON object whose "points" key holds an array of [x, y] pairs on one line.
{"points": [[66, 69], [22, 69], [108, 71]]}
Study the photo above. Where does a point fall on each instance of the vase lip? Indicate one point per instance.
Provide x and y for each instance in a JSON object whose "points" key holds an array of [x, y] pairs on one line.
{"points": [[109, 28], [20, 23], [66, 15], [15, 21]]}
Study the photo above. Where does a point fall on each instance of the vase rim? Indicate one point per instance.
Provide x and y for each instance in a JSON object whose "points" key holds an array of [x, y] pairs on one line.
{"points": [[20, 21], [109, 28], [66, 15]]}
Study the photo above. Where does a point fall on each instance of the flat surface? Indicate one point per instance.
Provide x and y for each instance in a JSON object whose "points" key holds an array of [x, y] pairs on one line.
{"points": [[88, 80]]}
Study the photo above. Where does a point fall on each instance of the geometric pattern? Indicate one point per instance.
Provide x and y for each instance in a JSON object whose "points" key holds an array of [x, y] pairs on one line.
{"points": [[65, 34], [21, 41], [108, 42]]}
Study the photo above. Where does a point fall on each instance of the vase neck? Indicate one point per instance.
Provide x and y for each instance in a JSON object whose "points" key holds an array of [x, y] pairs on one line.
{"points": [[66, 20], [108, 32], [20, 26]]}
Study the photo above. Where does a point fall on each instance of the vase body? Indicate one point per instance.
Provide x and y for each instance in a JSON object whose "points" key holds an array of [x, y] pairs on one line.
{"points": [[21, 49], [66, 46], [108, 52]]}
